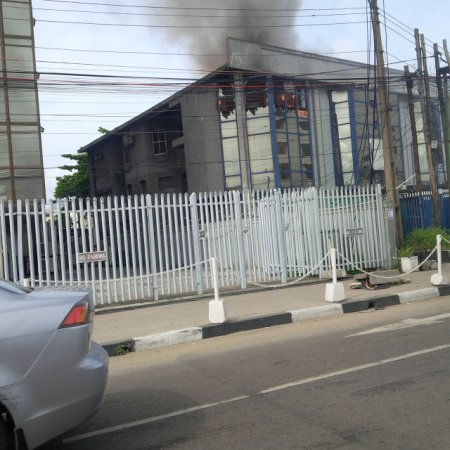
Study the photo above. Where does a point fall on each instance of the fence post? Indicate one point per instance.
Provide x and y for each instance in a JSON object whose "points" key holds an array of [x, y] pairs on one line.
{"points": [[240, 238], [334, 291], [151, 240], [437, 278], [217, 312], [281, 240], [196, 241]]}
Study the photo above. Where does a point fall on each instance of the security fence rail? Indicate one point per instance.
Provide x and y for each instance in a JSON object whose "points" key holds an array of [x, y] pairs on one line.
{"points": [[152, 246]]}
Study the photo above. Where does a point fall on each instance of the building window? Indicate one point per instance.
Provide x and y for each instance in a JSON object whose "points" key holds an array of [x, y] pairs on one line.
{"points": [[291, 109], [226, 100], [229, 134], [259, 133], [346, 170], [159, 138], [357, 137]]}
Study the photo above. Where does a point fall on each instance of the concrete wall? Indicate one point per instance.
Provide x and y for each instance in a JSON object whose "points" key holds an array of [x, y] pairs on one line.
{"points": [[310, 66], [126, 163], [106, 163], [202, 140]]}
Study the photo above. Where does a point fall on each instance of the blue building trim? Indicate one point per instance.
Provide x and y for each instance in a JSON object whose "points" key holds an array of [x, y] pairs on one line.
{"points": [[334, 141], [309, 102], [354, 135], [273, 131]]}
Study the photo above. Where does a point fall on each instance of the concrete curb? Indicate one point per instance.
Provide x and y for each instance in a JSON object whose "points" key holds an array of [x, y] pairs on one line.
{"points": [[191, 334]]}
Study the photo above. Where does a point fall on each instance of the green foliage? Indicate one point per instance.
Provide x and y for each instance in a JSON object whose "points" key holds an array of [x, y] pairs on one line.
{"points": [[122, 349], [77, 183], [423, 241], [103, 130], [405, 252]]}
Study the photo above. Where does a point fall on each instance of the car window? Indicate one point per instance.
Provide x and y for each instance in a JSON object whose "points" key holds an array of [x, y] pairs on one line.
{"points": [[14, 288]]}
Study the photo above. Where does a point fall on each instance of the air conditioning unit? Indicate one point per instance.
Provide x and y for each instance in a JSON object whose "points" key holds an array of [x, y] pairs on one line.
{"points": [[128, 140]]}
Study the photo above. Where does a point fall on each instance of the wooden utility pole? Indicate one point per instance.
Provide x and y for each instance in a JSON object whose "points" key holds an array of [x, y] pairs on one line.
{"points": [[424, 102], [447, 113], [388, 147], [443, 107], [412, 119]]}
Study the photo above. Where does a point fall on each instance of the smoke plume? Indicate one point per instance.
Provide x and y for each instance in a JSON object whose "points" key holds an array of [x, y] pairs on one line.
{"points": [[210, 22]]}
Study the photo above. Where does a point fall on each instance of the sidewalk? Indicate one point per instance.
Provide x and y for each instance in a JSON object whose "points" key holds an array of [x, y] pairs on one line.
{"points": [[156, 325]]}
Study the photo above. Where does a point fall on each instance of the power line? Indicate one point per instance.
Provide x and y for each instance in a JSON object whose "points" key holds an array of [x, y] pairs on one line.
{"points": [[208, 55], [195, 27], [201, 16], [208, 8]]}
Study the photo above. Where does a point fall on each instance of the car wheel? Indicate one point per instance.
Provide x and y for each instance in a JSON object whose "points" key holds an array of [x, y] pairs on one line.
{"points": [[6, 441]]}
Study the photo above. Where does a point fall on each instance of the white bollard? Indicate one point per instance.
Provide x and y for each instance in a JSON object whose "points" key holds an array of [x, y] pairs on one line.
{"points": [[437, 279], [334, 291], [217, 313]]}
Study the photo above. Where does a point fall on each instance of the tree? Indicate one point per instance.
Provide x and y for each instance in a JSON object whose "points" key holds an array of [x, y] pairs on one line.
{"points": [[77, 183]]}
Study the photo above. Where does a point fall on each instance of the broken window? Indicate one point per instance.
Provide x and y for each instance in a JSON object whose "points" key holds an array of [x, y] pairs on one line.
{"points": [[226, 100], [255, 95]]}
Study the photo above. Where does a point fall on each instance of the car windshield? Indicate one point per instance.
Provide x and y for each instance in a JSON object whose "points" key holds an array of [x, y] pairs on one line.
{"points": [[14, 287]]}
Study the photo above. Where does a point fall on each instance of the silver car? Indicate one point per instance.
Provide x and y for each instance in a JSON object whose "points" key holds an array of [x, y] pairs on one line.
{"points": [[52, 376]]}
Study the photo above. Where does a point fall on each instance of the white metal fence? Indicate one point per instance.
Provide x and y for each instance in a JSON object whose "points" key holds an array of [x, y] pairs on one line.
{"points": [[160, 245]]}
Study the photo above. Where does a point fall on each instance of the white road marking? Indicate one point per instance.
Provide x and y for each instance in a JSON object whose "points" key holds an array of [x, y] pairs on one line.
{"points": [[281, 387], [407, 323], [137, 423], [354, 369]]}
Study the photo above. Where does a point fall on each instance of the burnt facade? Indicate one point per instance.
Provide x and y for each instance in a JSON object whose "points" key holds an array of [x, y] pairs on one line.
{"points": [[269, 118]]}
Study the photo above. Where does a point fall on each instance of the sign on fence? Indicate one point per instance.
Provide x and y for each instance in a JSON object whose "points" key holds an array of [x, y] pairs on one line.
{"points": [[350, 232], [91, 257]]}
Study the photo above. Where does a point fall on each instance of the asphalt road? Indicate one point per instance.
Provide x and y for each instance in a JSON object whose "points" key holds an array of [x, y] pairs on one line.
{"points": [[315, 385]]}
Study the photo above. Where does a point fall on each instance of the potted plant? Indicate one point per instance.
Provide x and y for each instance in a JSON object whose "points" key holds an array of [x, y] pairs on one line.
{"points": [[408, 261], [417, 247]]}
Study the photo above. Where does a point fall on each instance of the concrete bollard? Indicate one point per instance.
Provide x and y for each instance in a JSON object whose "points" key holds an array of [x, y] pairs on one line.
{"points": [[437, 279], [334, 291], [217, 312]]}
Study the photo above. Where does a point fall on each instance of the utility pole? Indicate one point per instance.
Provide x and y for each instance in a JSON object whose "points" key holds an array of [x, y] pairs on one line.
{"points": [[412, 119], [447, 112], [424, 102], [443, 106], [388, 147]]}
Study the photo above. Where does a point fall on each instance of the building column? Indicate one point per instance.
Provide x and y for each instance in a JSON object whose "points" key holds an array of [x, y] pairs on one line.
{"points": [[244, 152]]}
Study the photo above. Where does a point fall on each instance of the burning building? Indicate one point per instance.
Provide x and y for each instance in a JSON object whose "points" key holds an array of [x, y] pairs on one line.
{"points": [[271, 117]]}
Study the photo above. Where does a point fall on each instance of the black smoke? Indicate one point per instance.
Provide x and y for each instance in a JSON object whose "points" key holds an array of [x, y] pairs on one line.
{"points": [[202, 27]]}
